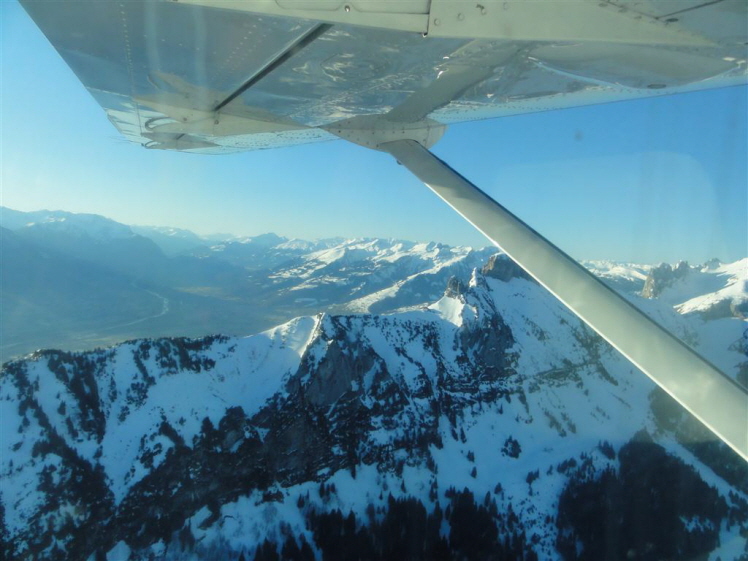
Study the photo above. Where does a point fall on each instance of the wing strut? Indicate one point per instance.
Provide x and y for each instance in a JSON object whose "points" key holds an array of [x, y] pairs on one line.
{"points": [[716, 400]]}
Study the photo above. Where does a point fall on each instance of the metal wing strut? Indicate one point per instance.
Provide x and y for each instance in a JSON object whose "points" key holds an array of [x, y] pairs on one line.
{"points": [[716, 400]]}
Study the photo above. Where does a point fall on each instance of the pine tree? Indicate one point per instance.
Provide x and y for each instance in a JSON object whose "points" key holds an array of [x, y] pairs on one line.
{"points": [[291, 551], [307, 554]]}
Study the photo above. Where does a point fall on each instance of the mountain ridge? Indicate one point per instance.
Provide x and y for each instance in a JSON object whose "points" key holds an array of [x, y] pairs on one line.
{"points": [[240, 287], [215, 446]]}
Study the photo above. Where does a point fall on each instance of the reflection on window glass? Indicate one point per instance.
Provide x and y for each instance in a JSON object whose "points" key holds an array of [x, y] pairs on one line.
{"points": [[214, 351]]}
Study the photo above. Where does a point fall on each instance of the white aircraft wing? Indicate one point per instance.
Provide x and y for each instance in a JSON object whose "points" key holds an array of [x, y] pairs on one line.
{"points": [[223, 76]]}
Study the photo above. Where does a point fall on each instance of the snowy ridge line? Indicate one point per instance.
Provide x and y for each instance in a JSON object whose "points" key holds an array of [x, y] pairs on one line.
{"points": [[208, 447]]}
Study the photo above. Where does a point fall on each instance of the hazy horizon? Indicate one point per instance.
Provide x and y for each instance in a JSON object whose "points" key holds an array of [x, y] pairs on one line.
{"points": [[229, 236]]}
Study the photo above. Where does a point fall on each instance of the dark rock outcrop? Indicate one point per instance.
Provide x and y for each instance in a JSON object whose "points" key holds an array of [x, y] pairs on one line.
{"points": [[663, 276], [504, 269]]}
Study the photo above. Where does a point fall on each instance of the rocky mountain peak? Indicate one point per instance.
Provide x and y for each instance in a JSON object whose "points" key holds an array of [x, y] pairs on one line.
{"points": [[663, 276], [455, 288], [501, 267]]}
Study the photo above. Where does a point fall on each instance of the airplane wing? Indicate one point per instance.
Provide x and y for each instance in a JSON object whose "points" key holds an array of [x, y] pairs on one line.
{"points": [[214, 76]]}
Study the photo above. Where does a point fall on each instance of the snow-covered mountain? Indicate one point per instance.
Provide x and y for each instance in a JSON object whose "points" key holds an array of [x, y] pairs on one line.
{"points": [[172, 241], [490, 424], [237, 286], [713, 290], [49, 222], [87, 237], [628, 278], [374, 275], [263, 253]]}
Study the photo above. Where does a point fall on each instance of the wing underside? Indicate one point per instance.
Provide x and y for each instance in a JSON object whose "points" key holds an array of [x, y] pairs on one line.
{"points": [[200, 78]]}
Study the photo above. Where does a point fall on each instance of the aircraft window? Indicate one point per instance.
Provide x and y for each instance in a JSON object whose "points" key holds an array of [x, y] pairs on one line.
{"points": [[302, 353]]}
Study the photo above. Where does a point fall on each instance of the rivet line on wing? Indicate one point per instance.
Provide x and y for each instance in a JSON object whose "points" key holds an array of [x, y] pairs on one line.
{"points": [[130, 71]]}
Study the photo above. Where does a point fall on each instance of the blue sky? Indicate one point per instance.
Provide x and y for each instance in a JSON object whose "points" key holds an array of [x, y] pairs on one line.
{"points": [[651, 180]]}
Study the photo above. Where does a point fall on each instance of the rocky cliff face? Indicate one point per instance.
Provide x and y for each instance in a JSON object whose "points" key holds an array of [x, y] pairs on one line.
{"points": [[491, 424], [663, 276], [712, 291]]}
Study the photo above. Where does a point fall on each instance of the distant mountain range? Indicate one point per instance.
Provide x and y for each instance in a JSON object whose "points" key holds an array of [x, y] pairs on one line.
{"points": [[489, 424], [78, 281], [81, 281]]}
